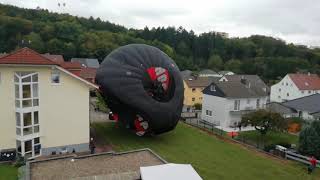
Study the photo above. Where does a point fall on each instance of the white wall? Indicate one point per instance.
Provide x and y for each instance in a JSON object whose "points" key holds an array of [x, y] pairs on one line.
{"points": [[219, 109], [223, 108], [287, 86], [63, 109]]}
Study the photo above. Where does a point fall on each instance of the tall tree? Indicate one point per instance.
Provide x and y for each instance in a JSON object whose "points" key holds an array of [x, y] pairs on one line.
{"points": [[215, 62]]}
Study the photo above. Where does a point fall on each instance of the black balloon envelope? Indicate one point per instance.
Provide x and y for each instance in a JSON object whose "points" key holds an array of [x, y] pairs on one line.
{"points": [[143, 88]]}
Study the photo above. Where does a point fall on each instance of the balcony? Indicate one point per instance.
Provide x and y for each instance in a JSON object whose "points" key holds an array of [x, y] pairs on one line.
{"points": [[242, 111]]}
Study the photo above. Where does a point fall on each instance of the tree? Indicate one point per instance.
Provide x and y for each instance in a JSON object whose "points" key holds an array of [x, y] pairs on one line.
{"points": [[264, 121], [233, 65], [35, 40], [309, 140], [215, 62], [198, 106]]}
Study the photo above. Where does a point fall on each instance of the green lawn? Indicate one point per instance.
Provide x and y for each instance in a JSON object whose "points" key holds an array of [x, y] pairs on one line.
{"points": [[270, 138], [8, 172], [211, 157]]}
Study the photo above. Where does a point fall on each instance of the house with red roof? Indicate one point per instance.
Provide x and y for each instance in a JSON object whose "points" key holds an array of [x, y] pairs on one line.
{"points": [[294, 86], [44, 105]]}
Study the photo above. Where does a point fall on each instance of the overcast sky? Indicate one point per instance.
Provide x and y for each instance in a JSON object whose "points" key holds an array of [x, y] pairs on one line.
{"points": [[296, 21]]}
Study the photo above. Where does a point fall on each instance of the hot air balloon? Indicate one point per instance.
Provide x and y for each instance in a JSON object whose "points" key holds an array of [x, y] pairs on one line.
{"points": [[143, 88]]}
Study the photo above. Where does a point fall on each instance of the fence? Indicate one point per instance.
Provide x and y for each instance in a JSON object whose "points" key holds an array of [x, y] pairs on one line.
{"points": [[199, 123], [299, 158]]}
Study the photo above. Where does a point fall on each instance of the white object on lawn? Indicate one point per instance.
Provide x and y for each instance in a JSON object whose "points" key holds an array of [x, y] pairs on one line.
{"points": [[169, 172]]}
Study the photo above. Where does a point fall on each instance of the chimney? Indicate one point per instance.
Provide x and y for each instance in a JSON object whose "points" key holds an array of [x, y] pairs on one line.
{"points": [[243, 81]]}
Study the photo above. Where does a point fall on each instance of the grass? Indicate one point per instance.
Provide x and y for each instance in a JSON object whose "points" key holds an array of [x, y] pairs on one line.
{"points": [[8, 172], [211, 157], [271, 137]]}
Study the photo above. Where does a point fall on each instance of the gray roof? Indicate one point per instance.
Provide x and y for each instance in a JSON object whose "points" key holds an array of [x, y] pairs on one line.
{"points": [[310, 103], [200, 81], [207, 71], [225, 72], [186, 74], [253, 81], [280, 108], [232, 90], [88, 62], [237, 90]]}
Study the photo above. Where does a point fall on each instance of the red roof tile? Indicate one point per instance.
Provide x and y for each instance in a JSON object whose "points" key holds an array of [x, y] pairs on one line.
{"points": [[306, 81], [88, 73], [54, 57], [26, 56]]}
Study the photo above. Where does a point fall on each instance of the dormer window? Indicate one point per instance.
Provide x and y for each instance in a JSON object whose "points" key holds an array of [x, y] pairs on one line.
{"points": [[212, 88], [307, 84]]}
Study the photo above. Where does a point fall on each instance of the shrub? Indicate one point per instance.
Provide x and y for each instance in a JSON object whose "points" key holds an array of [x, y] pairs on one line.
{"points": [[198, 106], [309, 140]]}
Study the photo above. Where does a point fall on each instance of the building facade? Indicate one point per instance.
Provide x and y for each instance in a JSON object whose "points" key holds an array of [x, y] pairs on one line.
{"points": [[294, 86], [44, 108], [193, 87], [224, 103]]}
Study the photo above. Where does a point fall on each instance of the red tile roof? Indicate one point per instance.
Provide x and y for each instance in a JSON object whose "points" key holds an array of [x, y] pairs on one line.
{"points": [[88, 73], [54, 57], [26, 56], [306, 81]]}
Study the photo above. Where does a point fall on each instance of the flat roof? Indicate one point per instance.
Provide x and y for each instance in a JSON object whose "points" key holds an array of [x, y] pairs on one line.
{"points": [[105, 165]]}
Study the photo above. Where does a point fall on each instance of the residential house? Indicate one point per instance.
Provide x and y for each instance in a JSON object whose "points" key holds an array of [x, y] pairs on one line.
{"points": [[226, 73], [307, 107], [193, 88], [252, 81], [294, 86], [224, 103], [208, 73], [186, 74], [87, 62], [44, 107]]}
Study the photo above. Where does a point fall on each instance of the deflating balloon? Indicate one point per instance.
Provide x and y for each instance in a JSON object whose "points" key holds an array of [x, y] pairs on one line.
{"points": [[143, 88]]}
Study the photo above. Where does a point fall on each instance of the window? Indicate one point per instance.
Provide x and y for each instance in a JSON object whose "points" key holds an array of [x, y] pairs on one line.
{"points": [[302, 92], [258, 103], [27, 120], [287, 94], [200, 98], [212, 88], [193, 99], [18, 119], [279, 89], [236, 105], [208, 113], [248, 101], [286, 84], [279, 97], [55, 77], [309, 92]]}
